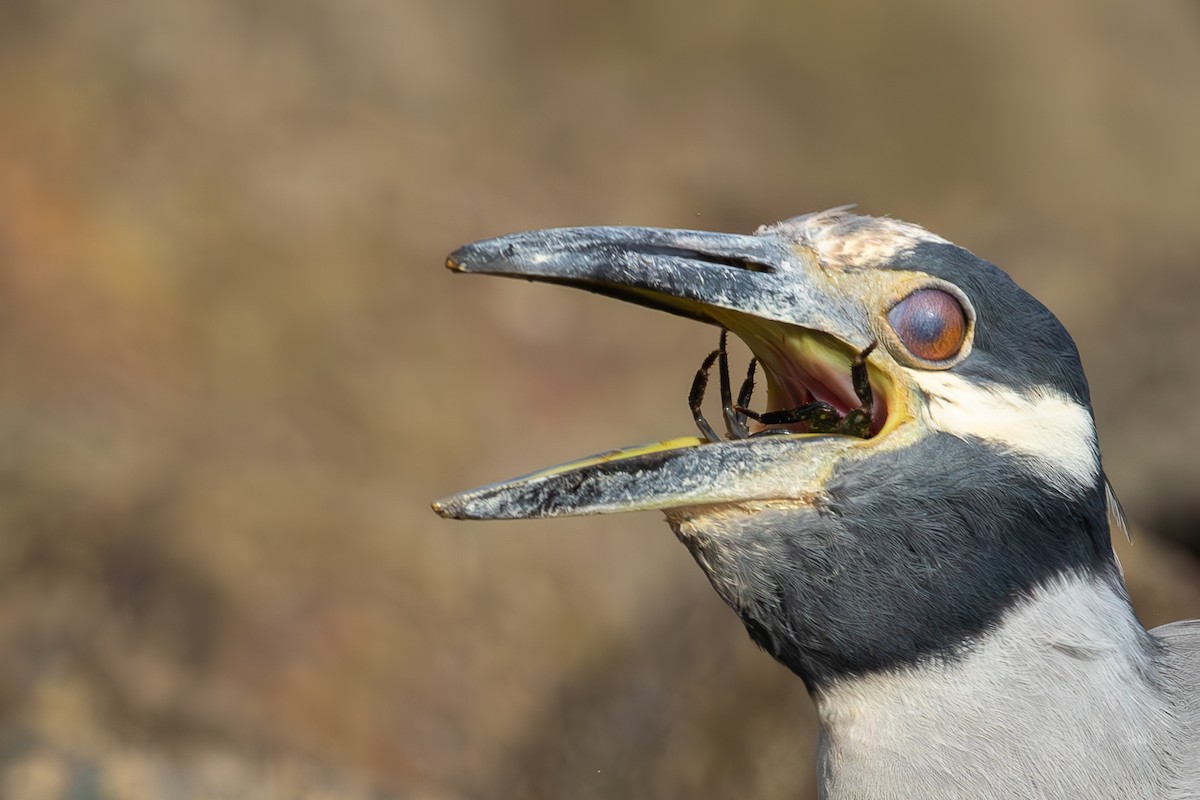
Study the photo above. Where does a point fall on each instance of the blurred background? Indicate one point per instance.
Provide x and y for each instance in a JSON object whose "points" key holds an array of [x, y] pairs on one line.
{"points": [[233, 372]]}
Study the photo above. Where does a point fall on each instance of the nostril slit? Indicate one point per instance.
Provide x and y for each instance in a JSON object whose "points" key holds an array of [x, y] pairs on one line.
{"points": [[737, 262]]}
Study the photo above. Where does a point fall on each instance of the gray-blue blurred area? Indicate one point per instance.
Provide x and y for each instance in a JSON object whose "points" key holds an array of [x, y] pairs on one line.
{"points": [[233, 372]]}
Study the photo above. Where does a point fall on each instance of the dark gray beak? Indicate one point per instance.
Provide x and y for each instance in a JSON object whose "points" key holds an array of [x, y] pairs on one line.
{"points": [[764, 288]]}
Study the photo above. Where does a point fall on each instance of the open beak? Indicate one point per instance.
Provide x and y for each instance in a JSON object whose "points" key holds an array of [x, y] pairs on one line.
{"points": [[804, 324]]}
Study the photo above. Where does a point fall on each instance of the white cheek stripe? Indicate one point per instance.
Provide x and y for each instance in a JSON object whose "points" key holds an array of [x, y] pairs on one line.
{"points": [[1041, 424]]}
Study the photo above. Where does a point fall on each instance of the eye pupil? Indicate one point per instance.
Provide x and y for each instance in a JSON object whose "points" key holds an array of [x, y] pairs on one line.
{"points": [[930, 323]]}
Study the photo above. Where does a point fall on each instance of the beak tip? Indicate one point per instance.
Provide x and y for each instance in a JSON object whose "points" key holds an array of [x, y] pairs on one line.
{"points": [[460, 506], [484, 255]]}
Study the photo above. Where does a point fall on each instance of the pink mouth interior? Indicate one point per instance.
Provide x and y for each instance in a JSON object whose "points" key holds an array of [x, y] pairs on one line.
{"points": [[798, 384]]}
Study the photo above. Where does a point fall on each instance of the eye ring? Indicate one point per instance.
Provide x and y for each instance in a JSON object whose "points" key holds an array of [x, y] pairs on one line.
{"points": [[931, 324]]}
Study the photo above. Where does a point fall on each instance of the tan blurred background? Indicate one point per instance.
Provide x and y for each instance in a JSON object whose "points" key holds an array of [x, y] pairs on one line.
{"points": [[233, 372]]}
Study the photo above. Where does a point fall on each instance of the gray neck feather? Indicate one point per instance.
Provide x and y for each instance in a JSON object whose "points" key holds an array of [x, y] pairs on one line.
{"points": [[1061, 700]]}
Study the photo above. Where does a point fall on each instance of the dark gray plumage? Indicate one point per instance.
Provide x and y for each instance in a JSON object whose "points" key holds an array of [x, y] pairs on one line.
{"points": [[946, 586]]}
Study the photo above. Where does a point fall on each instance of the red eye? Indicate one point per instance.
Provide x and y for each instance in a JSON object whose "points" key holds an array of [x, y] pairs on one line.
{"points": [[930, 323]]}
